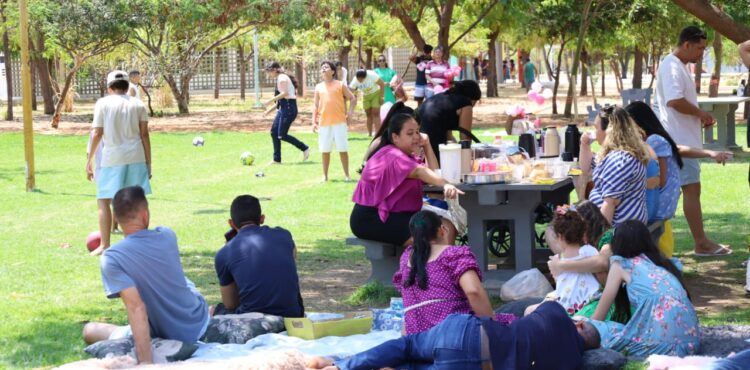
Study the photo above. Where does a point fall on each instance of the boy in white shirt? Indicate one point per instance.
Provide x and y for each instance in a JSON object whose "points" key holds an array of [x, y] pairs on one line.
{"points": [[373, 89]]}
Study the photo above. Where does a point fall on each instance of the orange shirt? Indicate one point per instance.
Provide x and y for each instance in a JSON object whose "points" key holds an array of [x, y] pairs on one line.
{"points": [[332, 106]]}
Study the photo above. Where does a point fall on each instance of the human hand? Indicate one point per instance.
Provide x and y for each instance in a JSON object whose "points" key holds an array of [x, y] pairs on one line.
{"points": [[349, 119], [586, 139], [148, 166], [706, 119], [450, 191], [720, 157], [382, 100], [554, 265], [315, 128], [424, 140], [89, 171], [318, 362]]}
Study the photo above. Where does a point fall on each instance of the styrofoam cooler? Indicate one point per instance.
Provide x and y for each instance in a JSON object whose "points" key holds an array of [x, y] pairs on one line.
{"points": [[450, 162]]}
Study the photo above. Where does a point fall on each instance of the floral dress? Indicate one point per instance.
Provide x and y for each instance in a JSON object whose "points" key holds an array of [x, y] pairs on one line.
{"points": [[663, 321]]}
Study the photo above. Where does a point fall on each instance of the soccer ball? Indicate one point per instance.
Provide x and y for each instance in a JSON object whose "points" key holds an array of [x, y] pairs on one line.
{"points": [[247, 159], [198, 141]]}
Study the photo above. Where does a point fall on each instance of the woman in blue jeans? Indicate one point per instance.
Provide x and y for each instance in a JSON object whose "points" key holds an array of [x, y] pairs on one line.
{"points": [[545, 339], [285, 101]]}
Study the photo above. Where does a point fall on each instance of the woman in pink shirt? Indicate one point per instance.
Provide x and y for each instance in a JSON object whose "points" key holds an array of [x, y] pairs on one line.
{"points": [[390, 189]]}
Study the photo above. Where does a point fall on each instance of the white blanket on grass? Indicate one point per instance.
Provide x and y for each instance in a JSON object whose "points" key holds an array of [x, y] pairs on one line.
{"points": [[336, 347]]}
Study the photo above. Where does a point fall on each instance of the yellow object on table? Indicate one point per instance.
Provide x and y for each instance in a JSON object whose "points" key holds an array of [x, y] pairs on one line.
{"points": [[544, 181], [575, 172], [352, 323]]}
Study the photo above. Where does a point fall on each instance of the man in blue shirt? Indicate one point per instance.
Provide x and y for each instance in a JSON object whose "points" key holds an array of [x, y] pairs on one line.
{"points": [[145, 271], [256, 268]]}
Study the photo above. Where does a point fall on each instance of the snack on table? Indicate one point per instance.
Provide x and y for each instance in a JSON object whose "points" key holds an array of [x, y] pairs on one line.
{"points": [[575, 172]]}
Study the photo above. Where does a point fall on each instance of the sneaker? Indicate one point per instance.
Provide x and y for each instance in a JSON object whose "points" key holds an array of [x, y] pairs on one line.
{"points": [[306, 155], [116, 231], [347, 179]]}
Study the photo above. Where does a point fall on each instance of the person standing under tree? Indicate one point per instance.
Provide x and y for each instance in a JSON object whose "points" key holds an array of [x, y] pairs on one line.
{"points": [[121, 122], [529, 74], [389, 77], [285, 101], [678, 111], [435, 73], [330, 115], [420, 61]]}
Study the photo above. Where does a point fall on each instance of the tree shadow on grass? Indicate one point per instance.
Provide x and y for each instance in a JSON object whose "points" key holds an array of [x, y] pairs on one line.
{"points": [[211, 211], [333, 250], [199, 268]]}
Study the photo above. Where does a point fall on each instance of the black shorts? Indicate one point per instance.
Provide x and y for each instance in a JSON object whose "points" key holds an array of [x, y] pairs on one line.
{"points": [[366, 224]]}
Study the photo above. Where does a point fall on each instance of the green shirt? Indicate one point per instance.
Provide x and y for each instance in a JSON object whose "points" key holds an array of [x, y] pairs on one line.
{"points": [[529, 71], [606, 238], [387, 74]]}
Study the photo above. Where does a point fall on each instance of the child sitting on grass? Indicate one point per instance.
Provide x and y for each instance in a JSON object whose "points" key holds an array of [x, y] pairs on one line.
{"points": [[566, 238]]}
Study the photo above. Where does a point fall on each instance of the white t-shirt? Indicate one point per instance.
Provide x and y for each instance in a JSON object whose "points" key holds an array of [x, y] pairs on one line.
{"points": [[344, 75], [575, 290], [674, 81], [369, 85], [291, 92], [137, 90], [119, 116]]}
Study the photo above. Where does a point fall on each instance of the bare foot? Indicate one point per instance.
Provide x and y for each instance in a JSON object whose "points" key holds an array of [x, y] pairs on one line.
{"points": [[712, 248]]}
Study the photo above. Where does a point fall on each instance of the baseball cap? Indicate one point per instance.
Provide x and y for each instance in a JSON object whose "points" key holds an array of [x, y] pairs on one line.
{"points": [[117, 76], [449, 210]]}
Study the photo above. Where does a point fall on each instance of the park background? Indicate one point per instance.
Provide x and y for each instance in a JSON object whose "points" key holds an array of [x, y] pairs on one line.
{"points": [[193, 54]]}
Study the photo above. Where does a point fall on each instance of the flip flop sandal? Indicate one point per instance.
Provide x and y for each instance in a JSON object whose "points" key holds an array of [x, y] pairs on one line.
{"points": [[719, 252]]}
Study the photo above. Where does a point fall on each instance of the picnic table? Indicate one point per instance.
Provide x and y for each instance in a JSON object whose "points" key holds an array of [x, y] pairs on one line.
{"points": [[723, 109], [486, 204]]}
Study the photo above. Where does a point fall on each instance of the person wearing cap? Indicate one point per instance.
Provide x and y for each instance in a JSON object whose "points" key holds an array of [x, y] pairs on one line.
{"points": [[437, 278], [678, 110], [373, 90], [285, 103], [121, 123]]}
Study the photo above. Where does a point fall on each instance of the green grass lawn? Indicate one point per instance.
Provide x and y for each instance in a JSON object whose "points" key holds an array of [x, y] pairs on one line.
{"points": [[47, 292]]}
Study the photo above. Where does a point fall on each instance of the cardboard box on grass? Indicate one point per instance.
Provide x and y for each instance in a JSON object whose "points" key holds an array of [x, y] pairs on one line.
{"points": [[352, 323]]}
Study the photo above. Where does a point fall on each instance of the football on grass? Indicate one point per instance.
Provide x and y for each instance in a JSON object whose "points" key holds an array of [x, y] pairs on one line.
{"points": [[198, 141]]}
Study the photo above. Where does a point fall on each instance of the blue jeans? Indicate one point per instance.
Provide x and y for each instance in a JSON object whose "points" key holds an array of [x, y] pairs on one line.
{"points": [[455, 343], [739, 361], [280, 129]]}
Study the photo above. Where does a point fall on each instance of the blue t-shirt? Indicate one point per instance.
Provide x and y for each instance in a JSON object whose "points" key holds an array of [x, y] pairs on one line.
{"points": [[260, 261], [669, 195], [149, 260], [621, 176]]}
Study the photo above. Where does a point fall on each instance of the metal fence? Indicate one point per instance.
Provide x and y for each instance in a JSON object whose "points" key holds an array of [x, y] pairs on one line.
{"points": [[90, 82]]}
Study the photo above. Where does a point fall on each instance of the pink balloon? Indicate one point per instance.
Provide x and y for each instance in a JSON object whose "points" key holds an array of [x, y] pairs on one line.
{"points": [[384, 109], [438, 89], [539, 99], [532, 95], [538, 123], [448, 74], [456, 70]]}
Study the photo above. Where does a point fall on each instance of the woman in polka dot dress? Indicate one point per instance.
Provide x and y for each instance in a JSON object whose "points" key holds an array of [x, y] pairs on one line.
{"points": [[437, 278]]}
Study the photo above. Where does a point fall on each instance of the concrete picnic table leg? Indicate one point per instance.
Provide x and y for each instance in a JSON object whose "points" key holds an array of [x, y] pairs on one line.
{"points": [[476, 216], [729, 139], [524, 235]]}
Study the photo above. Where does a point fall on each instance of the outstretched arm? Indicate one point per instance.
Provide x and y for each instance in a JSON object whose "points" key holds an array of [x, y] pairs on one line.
{"points": [[690, 152]]}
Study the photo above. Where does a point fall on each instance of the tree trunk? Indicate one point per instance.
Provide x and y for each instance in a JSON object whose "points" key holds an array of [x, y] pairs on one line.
{"points": [[492, 73], [604, 75], [69, 77], [299, 74], [716, 19], [584, 73], [557, 77], [217, 72], [368, 58], [637, 68], [577, 56], [243, 69], [614, 64], [180, 95], [624, 60], [713, 87], [343, 55], [8, 69], [698, 72], [546, 54], [411, 27]]}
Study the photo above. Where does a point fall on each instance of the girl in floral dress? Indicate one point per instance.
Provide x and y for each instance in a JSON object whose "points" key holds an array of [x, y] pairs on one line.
{"points": [[663, 321], [437, 278]]}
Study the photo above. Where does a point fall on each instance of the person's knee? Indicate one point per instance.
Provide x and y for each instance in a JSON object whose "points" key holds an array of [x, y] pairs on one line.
{"points": [[94, 332]]}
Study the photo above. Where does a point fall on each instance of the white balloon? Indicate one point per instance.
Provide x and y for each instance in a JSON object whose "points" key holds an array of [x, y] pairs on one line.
{"points": [[536, 86], [547, 94]]}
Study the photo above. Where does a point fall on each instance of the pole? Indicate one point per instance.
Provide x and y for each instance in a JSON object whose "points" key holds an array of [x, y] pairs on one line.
{"points": [[256, 70], [28, 125]]}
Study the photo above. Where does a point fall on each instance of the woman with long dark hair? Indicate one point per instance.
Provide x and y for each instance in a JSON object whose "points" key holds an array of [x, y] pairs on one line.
{"points": [[389, 191], [649, 294], [437, 278], [285, 100], [452, 110]]}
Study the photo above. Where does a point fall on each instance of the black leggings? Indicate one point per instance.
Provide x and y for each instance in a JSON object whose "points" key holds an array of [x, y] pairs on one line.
{"points": [[366, 224]]}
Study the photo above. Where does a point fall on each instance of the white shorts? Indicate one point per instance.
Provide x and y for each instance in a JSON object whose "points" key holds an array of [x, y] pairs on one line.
{"points": [[329, 134], [419, 91]]}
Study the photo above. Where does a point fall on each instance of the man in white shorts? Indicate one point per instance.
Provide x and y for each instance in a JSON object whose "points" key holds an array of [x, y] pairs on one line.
{"points": [[331, 118], [121, 122], [677, 108], [420, 60]]}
